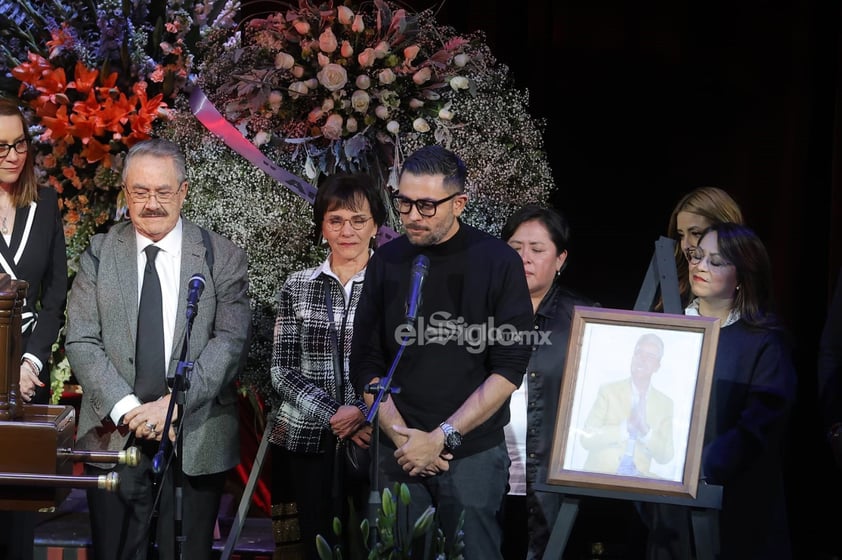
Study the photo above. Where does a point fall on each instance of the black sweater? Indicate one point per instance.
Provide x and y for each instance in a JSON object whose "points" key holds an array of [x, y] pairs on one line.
{"points": [[475, 285]]}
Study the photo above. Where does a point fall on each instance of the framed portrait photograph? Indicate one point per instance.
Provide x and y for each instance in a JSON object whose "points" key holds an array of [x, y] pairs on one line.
{"points": [[634, 401]]}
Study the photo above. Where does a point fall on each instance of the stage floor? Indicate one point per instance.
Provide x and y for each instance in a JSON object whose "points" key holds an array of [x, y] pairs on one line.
{"points": [[65, 533]]}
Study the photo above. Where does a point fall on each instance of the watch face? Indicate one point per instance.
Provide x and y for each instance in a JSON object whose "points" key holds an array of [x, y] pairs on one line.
{"points": [[454, 439]]}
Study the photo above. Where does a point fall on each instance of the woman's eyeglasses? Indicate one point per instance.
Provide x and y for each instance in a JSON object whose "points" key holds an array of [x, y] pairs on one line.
{"points": [[336, 223], [21, 147], [695, 255]]}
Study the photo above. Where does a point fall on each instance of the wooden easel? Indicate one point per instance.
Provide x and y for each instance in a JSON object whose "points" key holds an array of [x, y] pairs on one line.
{"points": [[662, 275], [704, 514], [704, 508]]}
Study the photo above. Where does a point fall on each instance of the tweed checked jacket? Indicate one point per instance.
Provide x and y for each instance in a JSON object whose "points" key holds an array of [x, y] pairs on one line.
{"points": [[101, 329], [302, 359]]}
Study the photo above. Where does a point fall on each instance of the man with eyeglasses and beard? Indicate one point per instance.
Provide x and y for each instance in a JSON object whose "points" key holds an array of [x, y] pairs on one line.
{"points": [[127, 319], [444, 430]]}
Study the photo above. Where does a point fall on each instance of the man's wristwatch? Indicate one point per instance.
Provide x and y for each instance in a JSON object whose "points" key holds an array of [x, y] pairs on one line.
{"points": [[452, 437]]}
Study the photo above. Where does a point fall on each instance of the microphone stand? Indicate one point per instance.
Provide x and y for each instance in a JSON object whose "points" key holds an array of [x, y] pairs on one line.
{"points": [[179, 384], [382, 391]]}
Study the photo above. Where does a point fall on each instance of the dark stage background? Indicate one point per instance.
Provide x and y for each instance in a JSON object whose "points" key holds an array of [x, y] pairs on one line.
{"points": [[645, 101]]}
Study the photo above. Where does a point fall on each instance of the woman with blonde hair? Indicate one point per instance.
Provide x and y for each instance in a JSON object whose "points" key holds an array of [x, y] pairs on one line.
{"points": [[695, 211]]}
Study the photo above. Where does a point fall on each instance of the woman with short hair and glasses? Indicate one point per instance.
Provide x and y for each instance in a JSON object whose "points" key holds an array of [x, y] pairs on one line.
{"points": [[313, 331], [32, 249], [754, 386]]}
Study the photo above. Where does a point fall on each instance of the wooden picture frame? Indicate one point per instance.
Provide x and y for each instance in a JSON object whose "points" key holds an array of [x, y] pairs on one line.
{"points": [[599, 440]]}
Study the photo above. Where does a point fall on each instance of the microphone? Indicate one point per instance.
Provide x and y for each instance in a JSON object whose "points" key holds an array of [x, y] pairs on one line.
{"points": [[420, 267], [195, 287]]}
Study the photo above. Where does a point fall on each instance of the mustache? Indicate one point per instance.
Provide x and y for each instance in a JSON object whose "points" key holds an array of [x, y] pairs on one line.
{"points": [[159, 213]]}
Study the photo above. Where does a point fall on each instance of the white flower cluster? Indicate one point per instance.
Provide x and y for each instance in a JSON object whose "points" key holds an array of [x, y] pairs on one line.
{"points": [[233, 198]]}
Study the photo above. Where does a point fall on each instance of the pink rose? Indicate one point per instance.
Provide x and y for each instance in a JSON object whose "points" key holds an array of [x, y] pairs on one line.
{"points": [[422, 76], [363, 81], [301, 26], [315, 115], [347, 50], [358, 26], [297, 89], [284, 61], [333, 77], [366, 58], [386, 76], [332, 129], [345, 14], [382, 49], [327, 41], [410, 52]]}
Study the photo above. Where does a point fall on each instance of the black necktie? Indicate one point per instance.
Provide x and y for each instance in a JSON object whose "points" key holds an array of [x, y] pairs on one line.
{"points": [[150, 373]]}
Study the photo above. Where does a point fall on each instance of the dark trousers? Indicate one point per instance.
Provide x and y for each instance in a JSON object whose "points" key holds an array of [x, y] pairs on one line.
{"points": [[475, 485], [309, 480], [120, 520]]}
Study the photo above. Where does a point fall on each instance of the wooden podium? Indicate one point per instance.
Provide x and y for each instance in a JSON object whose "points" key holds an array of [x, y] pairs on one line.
{"points": [[36, 441]]}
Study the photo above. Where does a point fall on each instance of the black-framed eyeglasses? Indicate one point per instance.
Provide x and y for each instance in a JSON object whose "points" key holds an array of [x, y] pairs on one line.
{"points": [[426, 208], [695, 255], [142, 196], [336, 223], [21, 147]]}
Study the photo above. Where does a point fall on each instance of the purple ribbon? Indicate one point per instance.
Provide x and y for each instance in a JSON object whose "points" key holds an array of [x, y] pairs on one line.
{"points": [[213, 120]]}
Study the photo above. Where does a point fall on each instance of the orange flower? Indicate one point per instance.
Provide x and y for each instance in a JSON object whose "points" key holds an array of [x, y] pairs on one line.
{"points": [[56, 184], [52, 82], [57, 125], [61, 40], [96, 151], [85, 78], [108, 85], [84, 126], [147, 112], [157, 75], [30, 72]]}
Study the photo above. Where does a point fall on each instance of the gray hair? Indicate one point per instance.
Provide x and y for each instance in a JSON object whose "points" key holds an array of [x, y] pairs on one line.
{"points": [[158, 147]]}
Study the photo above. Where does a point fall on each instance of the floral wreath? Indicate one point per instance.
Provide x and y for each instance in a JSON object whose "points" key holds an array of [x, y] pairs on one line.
{"points": [[316, 87]]}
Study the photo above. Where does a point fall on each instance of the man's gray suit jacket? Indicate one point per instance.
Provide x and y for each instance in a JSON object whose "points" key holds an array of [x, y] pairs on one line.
{"points": [[100, 343]]}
